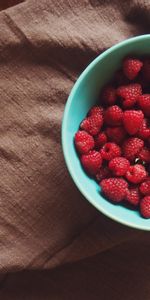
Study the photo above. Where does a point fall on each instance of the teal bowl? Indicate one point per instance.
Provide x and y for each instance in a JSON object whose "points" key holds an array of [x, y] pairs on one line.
{"points": [[82, 97]]}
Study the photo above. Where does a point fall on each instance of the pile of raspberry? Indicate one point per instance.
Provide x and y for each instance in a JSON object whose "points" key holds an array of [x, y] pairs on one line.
{"points": [[113, 141]]}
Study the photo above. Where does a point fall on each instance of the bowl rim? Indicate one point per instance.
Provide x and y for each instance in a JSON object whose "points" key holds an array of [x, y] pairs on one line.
{"points": [[64, 127]]}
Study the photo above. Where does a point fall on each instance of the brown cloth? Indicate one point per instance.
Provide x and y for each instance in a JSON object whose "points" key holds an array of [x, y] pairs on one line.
{"points": [[53, 244]]}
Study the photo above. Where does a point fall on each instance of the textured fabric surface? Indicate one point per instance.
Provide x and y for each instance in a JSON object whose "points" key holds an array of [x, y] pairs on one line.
{"points": [[45, 223]]}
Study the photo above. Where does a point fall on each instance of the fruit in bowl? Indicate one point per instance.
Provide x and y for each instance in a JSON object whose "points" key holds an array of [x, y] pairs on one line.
{"points": [[106, 133]]}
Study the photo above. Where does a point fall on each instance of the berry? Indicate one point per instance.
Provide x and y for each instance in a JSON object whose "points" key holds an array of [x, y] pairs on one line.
{"points": [[145, 187], [133, 196], [131, 67], [84, 142], [145, 207], [110, 150], [144, 131], [116, 134], [91, 162], [96, 110], [115, 189], [129, 94], [103, 173], [131, 148], [119, 166], [144, 103], [144, 155], [113, 115], [136, 173], [146, 70], [108, 95], [100, 140], [92, 124], [132, 120]]}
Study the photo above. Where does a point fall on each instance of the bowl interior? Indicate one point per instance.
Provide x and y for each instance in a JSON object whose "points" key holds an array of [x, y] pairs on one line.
{"points": [[85, 94]]}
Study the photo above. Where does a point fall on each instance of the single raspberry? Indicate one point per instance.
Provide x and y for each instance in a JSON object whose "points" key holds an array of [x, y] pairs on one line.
{"points": [[113, 115], [144, 103], [110, 150], [136, 173], [91, 162], [96, 110], [144, 131], [145, 207], [129, 93], [133, 196], [92, 124], [84, 142], [131, 148], [119, 166], [100, 140], [116, 134], [145, 187], [131, 67], [146, 70], [103, 173], [108, 95], [144, 155], [132, 120], [115, 189]]}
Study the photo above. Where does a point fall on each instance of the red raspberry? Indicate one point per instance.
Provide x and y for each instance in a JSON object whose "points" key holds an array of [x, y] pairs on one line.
{"points": [[84, 142], [144, 155], [133, 196], [103, 173], [116, 134], [144, 103], [91, 162], [115, 189], [108, 95], [131, 67], [100, 140], [129, 93], [92, 124], [145, 207], [132, 120], [136, 173], [131, 148], [144, 131], [113, 115], [145, 187], [119, 166], [96, 110], [110, 150], [146, 69]]}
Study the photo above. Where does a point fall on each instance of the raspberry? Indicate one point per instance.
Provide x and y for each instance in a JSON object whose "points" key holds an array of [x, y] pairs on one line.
{"points": [[129, 93], [84, 142], [132, 120], [91, 162], [144, 155], [136, 173], [145, 187], [131, 67], [115, 189], [103, 173], [119, 166], [113, 115], [92, 124], [144, 103], [100, 140], [144, 131], [146, 69], [131, 148], [116, 134], [110, 150], [96, 110], [145, 207], [133, 196], [108, 95]]}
